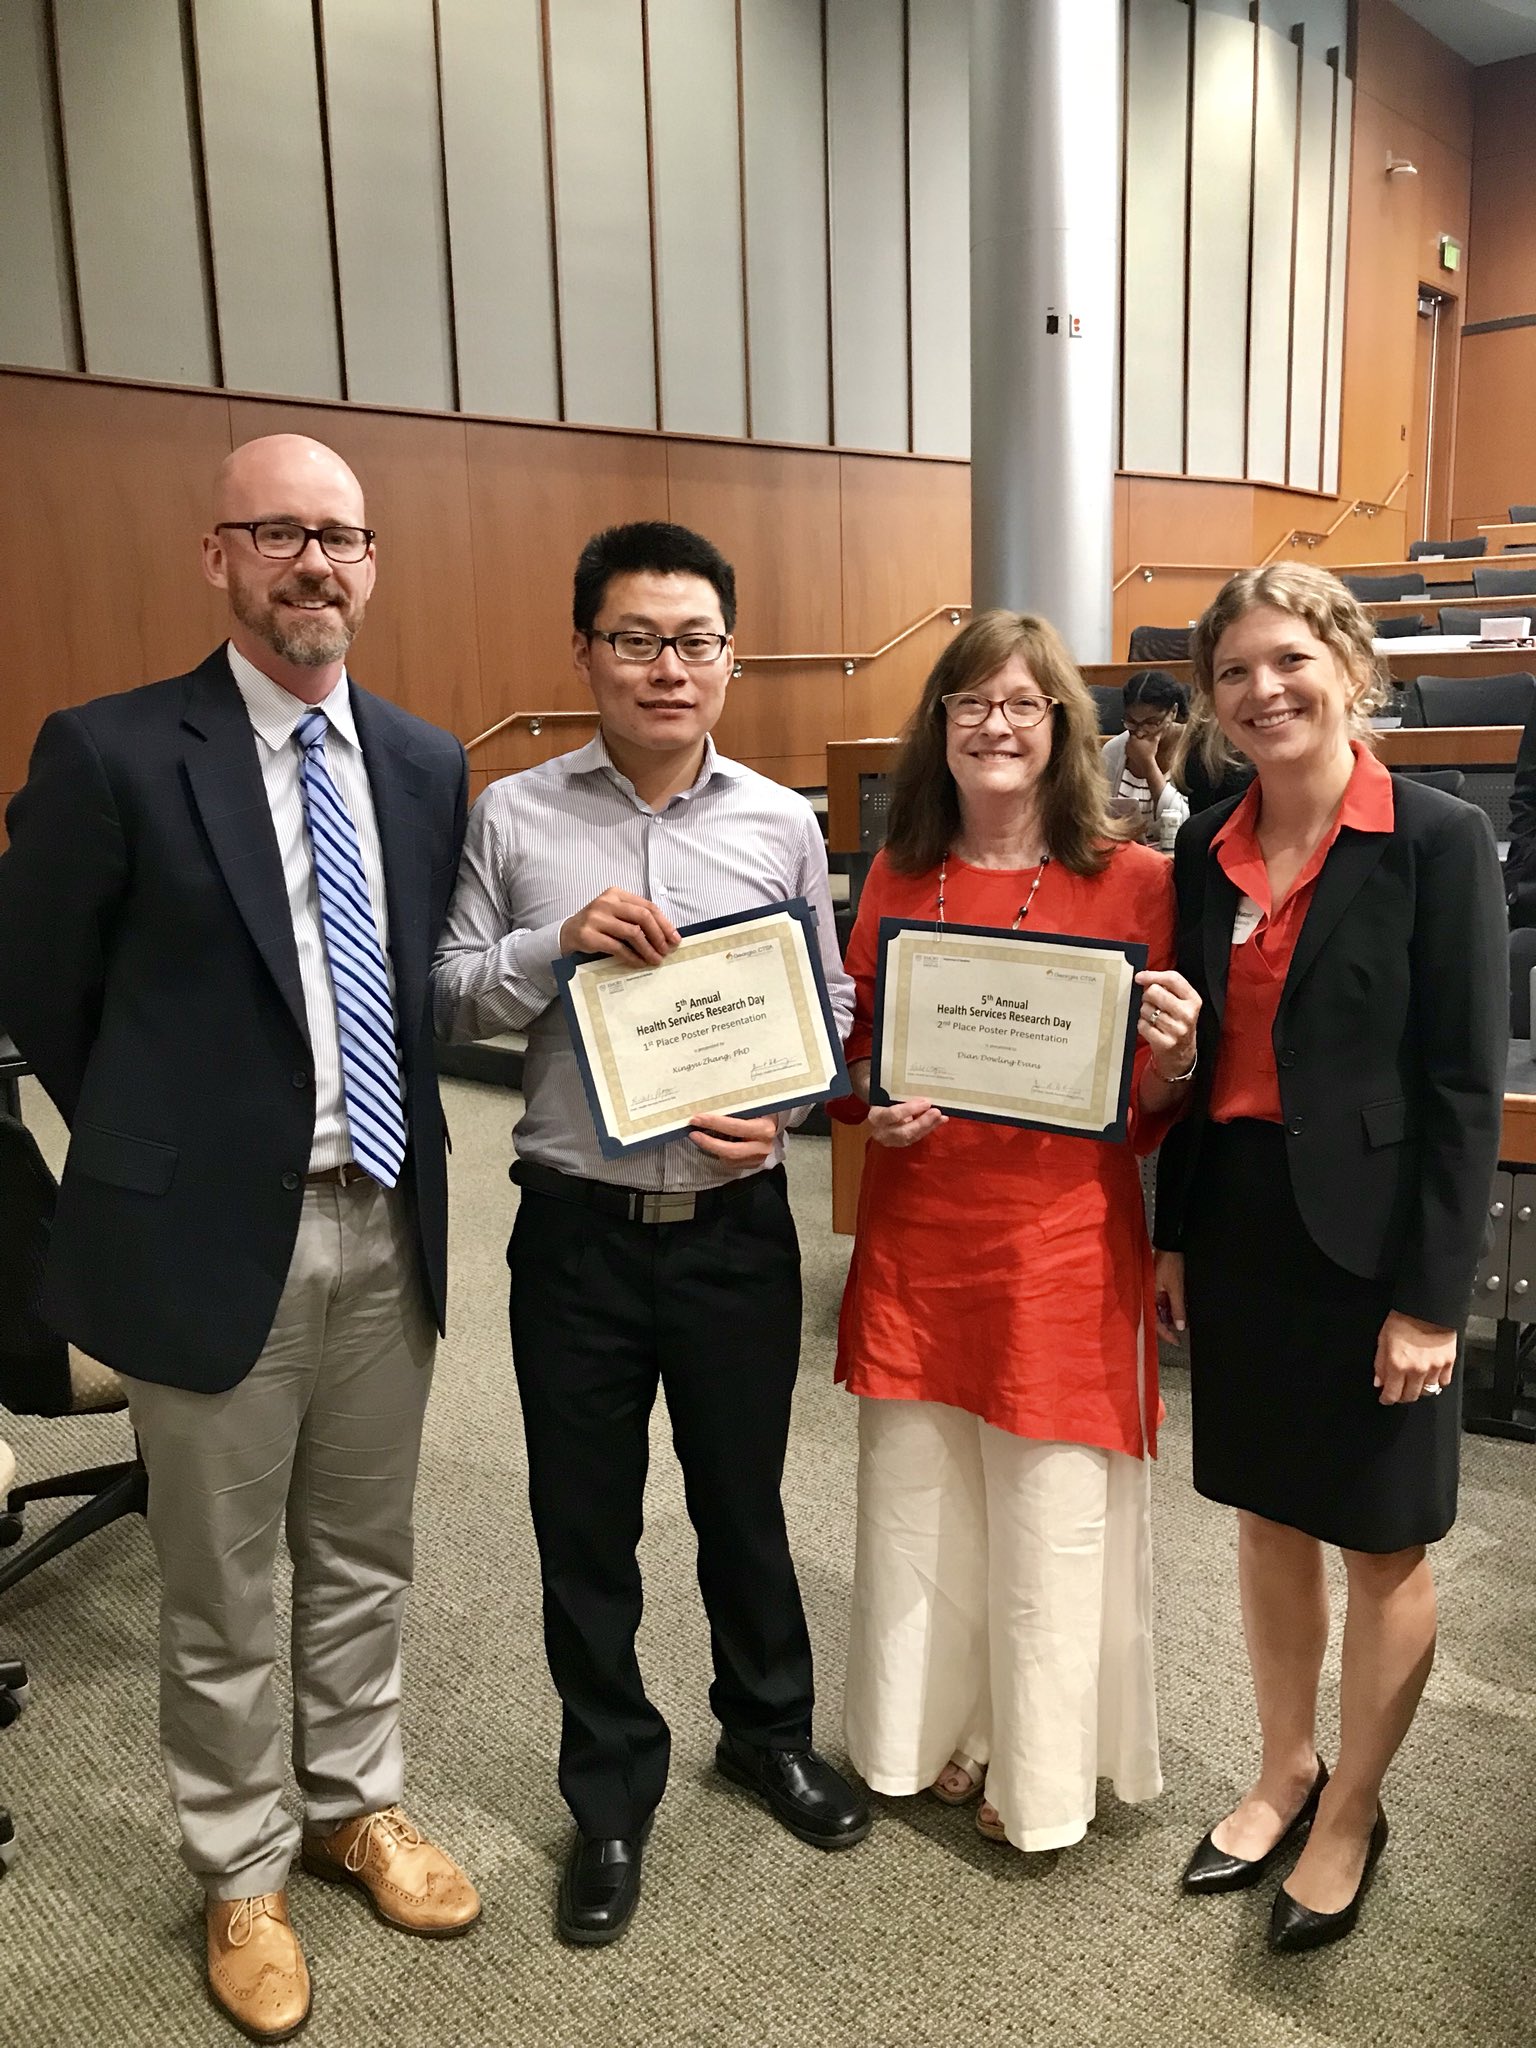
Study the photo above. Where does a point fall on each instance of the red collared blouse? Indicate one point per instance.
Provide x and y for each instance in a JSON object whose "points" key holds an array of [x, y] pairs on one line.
{"points": [[1264, 938]]}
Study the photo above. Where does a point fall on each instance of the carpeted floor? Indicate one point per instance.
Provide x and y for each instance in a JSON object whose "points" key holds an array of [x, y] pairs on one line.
{"points": [[926, 1934]]}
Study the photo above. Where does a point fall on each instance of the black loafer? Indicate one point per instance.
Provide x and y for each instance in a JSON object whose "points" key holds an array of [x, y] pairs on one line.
{"points": [[1212, 1870], [800, 1788], [1293, 1928], [599, 1890]]}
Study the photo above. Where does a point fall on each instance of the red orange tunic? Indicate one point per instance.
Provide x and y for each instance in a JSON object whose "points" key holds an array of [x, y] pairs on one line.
{"points": [[1246, 1082], [999, 1270]]}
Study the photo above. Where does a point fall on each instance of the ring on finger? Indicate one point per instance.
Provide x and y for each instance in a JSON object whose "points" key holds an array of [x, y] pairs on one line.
{"points": [[1433, 1387]]}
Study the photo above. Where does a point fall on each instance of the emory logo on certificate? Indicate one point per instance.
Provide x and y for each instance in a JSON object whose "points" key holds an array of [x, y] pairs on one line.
{"points": [[735, 1020], [1020, 1027]]}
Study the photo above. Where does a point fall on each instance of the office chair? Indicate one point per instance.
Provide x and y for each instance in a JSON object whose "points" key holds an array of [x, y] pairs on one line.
{"points": [[1449, 781], [1522, 958], [1469, 700], [1109, 700], [1398, 629], [42, 1375], [1381, 589], [1159, 643], [1450, 550], [1456, 621], [1504, 582], [1522, 515]]}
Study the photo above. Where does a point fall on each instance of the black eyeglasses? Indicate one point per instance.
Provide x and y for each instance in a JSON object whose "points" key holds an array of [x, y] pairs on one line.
{"points": [[284, 540], [631, 645]]}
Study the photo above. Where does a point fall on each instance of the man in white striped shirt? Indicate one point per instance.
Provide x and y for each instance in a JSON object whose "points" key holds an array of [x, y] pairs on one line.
{"points": [[614, 1291], [217, 916]]}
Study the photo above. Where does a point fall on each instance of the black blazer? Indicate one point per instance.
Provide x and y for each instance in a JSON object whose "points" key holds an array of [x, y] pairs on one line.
{"points": [[1390, 1042], [149, 974]]}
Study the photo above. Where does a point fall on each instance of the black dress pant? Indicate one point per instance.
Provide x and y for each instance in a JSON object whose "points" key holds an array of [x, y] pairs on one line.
{"points": [[602, 1311]]}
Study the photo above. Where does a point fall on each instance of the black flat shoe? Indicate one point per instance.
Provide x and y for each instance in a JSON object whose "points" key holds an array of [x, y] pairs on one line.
{"points": [[599, 1890], [800, 1788], [1293, 1928], [1212, 1870]]}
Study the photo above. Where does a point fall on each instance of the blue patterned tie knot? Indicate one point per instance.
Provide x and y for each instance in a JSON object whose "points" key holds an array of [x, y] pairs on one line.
{"points": [[365, 1017]]}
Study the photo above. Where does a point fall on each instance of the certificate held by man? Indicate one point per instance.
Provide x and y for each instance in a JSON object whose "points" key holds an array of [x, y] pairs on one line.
{"points": [[1030, 1028], [735, 1021]]}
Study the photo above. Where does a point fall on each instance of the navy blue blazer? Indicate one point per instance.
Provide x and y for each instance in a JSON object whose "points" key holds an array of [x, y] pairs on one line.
{"points": [[1390, 1044], [149, 974]]}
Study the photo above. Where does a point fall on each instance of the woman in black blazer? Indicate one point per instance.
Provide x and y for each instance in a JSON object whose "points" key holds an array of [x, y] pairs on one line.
{"points": [[1320, 1209]]}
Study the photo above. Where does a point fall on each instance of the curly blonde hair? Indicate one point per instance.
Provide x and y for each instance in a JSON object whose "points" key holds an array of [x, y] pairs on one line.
{"points": [[1324, 607]]}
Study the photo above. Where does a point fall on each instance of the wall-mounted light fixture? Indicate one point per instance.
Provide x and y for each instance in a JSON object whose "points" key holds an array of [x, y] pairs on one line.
{"points": [[1401, 167]]}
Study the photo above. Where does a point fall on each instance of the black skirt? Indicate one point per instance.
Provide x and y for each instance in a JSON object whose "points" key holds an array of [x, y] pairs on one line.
{"points": [[1287, 1421]]}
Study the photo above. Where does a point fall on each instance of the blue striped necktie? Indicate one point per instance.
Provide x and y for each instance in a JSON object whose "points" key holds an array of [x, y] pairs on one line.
{"points": [[370, 1061]]}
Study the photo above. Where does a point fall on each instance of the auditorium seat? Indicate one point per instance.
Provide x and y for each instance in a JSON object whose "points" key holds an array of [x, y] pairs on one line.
{"points": [[1448, 550], [1109, 700], [1383, 589], [1504, 582], [1159, 643], [1469, 700], [1455, 622], [1522, 515], [1399, 628]]}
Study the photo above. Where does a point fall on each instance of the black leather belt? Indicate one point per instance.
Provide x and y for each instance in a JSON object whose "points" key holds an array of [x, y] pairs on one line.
{"points": [[640, 1205]]}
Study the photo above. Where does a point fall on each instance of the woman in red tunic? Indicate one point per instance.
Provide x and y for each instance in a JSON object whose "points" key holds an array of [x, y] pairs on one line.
{"points": [[998, 1315]]}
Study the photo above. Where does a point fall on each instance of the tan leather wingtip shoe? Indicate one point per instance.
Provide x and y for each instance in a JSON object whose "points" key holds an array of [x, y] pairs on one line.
{"points": [[256, 1969], [410, 1883]]}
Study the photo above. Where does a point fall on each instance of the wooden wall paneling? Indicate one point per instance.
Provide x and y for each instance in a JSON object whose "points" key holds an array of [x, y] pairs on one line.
{"points": [[879, 696], [696, 189], [496, 172], [775, 513], [108, 493], [1504, 106], [518, 748], [785, 205], [37, 306], [1309, 285], [1501, 240], [268, 208], [866, 151], [1495, 456], [1170, 520], [602, 211], [537, 494], [141, 268], [1274, 199], [1443, 189], [387, 192], [1338, 271], [1405, 68], [1170, 599], [1152, 381], [777, 713], [1382, 292], [419, 647], [1220, 201], [906, 547], [938, 183]]}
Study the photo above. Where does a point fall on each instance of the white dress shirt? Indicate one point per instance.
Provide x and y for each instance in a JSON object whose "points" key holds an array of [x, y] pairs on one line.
{"points": [[544, 843], [274, 715]]}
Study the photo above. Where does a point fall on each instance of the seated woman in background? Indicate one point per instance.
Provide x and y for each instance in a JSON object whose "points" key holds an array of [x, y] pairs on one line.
{"points": [[1141, 761], [998, 1316], [1320, 1208]]}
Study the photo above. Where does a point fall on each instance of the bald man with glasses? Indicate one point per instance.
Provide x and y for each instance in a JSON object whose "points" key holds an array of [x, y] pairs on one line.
{"points": [[217, 917]]}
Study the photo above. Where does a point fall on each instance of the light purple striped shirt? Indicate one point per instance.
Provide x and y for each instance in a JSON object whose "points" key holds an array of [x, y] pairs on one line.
{"points": [[544, 843]]}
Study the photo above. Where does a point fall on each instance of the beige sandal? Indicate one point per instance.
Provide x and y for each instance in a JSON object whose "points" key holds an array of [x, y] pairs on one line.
{"points": [[993, 1829], [975, 1776]]}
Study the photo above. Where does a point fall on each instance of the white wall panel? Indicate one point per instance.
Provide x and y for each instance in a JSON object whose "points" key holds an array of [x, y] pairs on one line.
{"points": [[497, 177], [696, 157], [868, 223], [1309, 301], [1152, 384], [784, 150], [387, 187], [1274, 195], [37, 322], [939, 113], [124, 84], [268, 217], [1220, 192], [602, 210], [1337, 272]]}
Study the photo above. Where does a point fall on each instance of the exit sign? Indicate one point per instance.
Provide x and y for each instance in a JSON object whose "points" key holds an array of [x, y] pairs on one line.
{"points": [[1450, 253]]}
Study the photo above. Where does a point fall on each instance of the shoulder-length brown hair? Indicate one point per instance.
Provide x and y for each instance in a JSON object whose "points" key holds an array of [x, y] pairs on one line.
{"points": [[1074, 796], [1329, 611]]}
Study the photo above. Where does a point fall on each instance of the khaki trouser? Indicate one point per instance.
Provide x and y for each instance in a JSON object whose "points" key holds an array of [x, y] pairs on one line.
{"points": [[323, 1435]]}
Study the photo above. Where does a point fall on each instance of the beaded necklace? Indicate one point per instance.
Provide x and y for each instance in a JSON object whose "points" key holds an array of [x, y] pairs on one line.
{"points": [[1023, 911]]}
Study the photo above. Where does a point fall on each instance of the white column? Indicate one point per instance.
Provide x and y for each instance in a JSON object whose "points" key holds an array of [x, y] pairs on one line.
{"points": [[1045, 233]]}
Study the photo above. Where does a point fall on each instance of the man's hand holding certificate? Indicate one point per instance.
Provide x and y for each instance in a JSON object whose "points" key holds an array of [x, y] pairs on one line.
{"points": [[1012, 1027], [731, 1021]]}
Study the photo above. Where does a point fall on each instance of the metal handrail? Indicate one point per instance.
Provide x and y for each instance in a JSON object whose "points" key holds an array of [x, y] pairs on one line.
{"points": [[1296, 536], [535, 722]]}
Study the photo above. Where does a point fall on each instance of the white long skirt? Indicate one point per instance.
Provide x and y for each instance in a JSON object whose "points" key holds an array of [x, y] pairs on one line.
{"points": [[1002, 1610]]}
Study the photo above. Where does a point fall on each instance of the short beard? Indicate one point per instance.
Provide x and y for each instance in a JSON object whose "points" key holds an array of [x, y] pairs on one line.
{"points": [[312, 645]]}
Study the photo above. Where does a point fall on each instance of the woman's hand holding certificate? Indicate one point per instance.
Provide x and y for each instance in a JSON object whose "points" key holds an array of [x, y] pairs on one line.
{"points": [[731, 1022]]}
